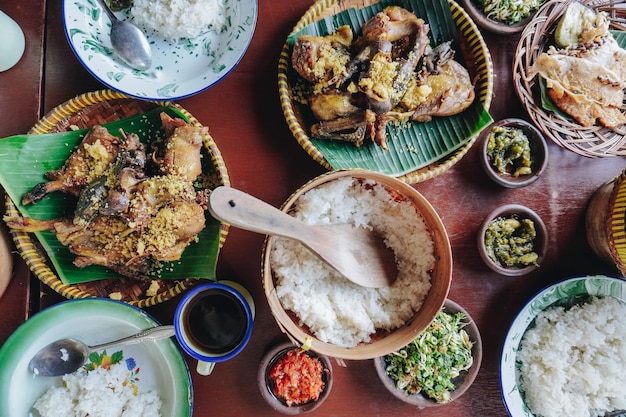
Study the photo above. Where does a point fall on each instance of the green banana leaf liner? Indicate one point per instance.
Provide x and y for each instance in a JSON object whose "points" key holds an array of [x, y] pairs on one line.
{"points": [[418, 151], [24, 159]]}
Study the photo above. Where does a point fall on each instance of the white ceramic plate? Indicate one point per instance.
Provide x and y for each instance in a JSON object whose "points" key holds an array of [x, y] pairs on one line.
{"points": [[162, 366], [179, 69], [563, 293]]}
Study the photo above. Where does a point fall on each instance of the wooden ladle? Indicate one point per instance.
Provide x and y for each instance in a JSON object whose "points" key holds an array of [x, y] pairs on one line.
{"points": [[360, 255]]}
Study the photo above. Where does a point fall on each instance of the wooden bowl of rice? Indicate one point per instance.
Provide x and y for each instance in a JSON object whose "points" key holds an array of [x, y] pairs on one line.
{"points": [[318, 309]]}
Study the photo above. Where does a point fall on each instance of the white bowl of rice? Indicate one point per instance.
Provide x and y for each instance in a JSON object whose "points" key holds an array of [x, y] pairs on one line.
{"points": [[565, 352], [320, 310]]}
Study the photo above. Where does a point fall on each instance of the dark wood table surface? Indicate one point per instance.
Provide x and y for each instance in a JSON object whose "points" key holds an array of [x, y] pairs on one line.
{"points": [[262, 157]]}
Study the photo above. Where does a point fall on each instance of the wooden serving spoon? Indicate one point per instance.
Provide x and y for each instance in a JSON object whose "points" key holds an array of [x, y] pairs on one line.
{"points": [[358, 254]]}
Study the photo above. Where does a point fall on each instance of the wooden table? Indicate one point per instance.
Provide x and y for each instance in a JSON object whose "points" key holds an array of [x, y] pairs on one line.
{"points": [[244, 117]]}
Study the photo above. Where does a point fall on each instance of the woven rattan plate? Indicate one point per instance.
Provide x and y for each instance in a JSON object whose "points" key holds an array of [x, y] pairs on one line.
{"points": [[594, 141], [473, 47], [85, 111]]}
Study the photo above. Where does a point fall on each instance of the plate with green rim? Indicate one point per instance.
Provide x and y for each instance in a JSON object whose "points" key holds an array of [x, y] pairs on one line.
{"points": [[161, 366], [422, 150], [565, 293], [180, 68]]}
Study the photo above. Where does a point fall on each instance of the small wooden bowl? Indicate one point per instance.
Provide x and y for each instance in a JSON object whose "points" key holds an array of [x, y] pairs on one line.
{"points": [[462, 382], [382, 342], [266, 386], [523, 212], [538, 150], [492, 25]]}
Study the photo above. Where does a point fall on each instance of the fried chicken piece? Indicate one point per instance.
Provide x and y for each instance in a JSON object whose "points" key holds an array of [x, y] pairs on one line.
{"points": [[182, 148], [322, 58], [92, 156], [449, 92]]}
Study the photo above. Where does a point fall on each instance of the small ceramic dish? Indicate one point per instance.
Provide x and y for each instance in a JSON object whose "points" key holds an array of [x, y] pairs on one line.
{"points": [[267, 385], [538, 154], [519, 212], [477, 14], [462, 382]]}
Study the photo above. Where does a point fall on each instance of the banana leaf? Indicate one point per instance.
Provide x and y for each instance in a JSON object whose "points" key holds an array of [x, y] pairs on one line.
{"points": [[24, 159], [412, 145]]}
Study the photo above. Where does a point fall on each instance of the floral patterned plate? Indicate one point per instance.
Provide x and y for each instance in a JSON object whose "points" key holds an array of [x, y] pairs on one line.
{"points": [[157, 366], [179, 68], [564, 293]]}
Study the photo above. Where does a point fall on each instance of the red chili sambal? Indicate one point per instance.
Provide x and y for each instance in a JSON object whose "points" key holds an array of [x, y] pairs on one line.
{"points": [[297, 377]]}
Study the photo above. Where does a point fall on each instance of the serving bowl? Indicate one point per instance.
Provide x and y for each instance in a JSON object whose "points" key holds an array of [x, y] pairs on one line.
{"points": [[519, 212], [180, 68], [538, 154], [566, 293], [494, 25], [380, 342], [267, 385], [461, 382]]}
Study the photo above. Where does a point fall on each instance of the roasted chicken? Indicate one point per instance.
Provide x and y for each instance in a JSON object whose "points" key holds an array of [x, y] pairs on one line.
{"points": [[357, 86], [96, 151], [136, 212]]}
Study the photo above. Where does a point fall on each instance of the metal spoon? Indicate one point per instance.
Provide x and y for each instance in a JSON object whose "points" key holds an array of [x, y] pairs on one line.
{"points": [[129, 42], [358, 254], [67, 355]]}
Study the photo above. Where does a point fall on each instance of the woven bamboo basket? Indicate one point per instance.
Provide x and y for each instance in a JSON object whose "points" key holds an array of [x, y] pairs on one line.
{"points": [[605, 222], [473, 46], [383, 342], [594, 141], [85, 111]]}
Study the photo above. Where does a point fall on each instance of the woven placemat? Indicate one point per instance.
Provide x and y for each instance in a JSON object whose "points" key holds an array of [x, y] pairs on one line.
{"points": [[593, 141], [473, 45], [85, 111]]}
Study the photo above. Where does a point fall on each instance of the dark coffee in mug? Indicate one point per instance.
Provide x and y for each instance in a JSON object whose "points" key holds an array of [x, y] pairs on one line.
{"points": [[216, 321]]}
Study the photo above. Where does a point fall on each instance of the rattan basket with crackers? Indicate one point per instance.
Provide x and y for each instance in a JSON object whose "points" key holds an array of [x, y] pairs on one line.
{"points": [[591, 141]]}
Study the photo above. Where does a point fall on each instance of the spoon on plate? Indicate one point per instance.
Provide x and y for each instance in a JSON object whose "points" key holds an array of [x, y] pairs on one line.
{"points": [[67, 355], [360, 255], [128, 41]]}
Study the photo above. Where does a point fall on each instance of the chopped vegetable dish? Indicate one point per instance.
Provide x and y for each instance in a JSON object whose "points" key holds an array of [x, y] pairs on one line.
{"points": [[430, 363], [509, 11]]}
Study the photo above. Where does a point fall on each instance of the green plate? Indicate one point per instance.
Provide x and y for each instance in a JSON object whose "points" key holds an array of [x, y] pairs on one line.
{"points": [[161, 366], [24, 159]]}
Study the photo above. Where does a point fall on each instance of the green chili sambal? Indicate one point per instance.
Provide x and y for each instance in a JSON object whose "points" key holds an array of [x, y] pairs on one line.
{"points": [[510, 242], [508, 149]]}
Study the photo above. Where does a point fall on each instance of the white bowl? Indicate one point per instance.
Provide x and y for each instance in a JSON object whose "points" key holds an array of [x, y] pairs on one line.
{"points": [[179, 69], [565, 293]]}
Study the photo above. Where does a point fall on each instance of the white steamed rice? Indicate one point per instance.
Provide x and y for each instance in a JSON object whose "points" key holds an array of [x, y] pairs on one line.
{"points": [[99, 393], [338, 311], [174, 19], [573, 361]]}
